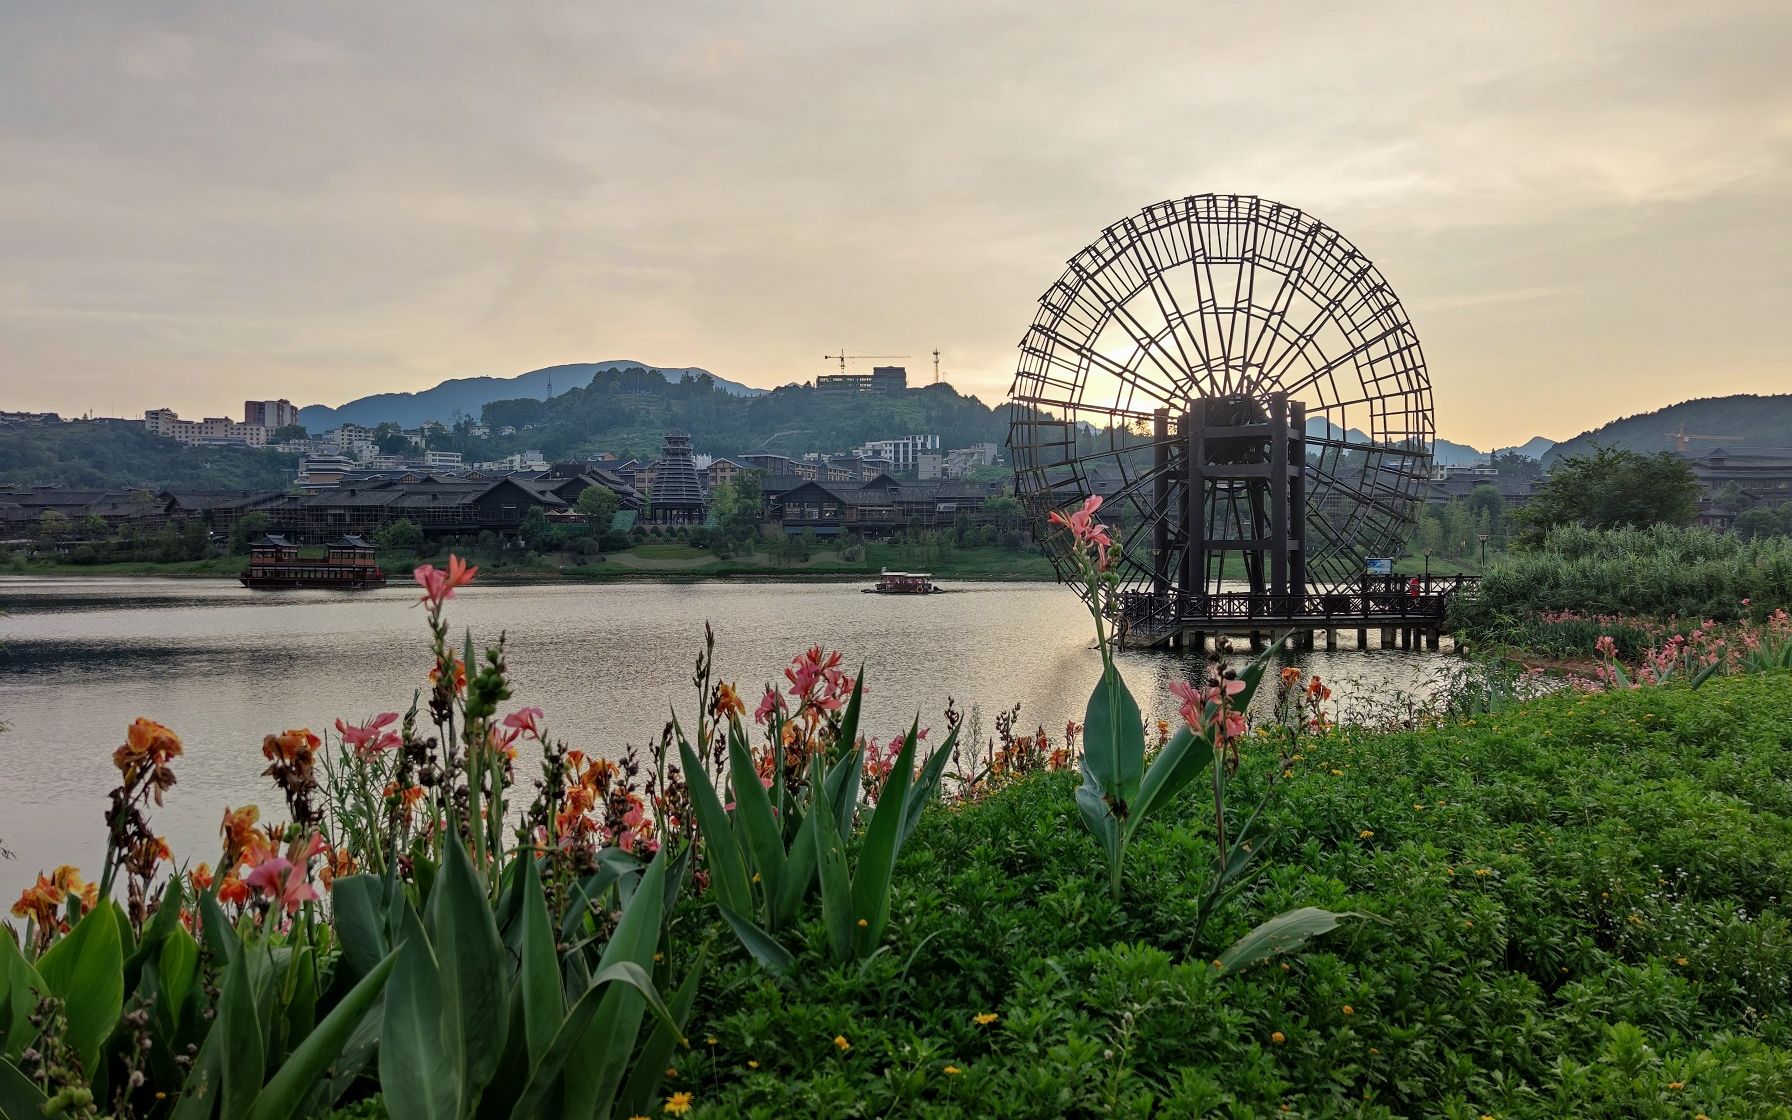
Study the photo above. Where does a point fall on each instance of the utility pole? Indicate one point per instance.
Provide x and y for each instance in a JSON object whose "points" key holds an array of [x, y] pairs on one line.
{"points": [[936, 365]]}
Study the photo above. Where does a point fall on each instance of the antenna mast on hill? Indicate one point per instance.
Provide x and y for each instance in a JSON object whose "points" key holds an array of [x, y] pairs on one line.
{"points": [[936, 365]]}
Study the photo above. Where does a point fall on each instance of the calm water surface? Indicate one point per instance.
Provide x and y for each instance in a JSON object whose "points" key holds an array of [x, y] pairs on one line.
{"points": [[224, 666]]}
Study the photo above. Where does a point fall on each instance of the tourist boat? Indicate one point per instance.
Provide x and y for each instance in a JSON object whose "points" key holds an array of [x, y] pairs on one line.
{"points": [[348, 564], [903, 583]]}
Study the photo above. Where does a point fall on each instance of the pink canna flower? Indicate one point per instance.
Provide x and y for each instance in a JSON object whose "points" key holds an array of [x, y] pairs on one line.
{"points": [[525, 721], [438, 586], [1086, 530], [370, 738], [769, 703], [281, 881]]}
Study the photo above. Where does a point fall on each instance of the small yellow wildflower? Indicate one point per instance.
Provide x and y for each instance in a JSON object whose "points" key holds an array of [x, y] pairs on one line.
{"points": [[1482, 872], [755, 876], [1417, 808], [672, 1072], [1366, 834], [1676, 1084], [953, 1071], [1349, 1010], [1681, 961], [1337, 773], [657, 957], [840, 1041], [986, 1018], [1373, 1050], [863, 923], [752, 1063], [1278, 1038], [711, 1040], [1468, 925], [679, 1103], [1287, 773]]}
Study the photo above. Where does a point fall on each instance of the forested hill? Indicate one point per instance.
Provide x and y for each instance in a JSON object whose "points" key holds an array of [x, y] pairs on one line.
{"points": [[629, 412], [1742, 423], [114, 454]]}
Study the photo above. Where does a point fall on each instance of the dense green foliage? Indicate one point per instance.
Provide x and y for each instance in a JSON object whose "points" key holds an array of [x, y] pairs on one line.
{"points": [[115, 454], [628, 411], [1583, 913], [1742, 421], [1612, 488], [1651, 573]]}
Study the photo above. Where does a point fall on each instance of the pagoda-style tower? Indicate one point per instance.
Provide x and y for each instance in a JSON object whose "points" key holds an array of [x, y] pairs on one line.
{"points": [[676, 495]]}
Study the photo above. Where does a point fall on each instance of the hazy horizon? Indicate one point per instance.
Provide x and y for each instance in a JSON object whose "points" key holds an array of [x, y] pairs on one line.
{"points": [[1582, 207]]}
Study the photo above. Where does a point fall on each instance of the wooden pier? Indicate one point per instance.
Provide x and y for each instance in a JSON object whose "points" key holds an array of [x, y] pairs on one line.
{"points": [[1403, 613]]}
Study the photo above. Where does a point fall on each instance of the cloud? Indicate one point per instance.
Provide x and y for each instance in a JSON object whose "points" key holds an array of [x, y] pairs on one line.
{"points": [[204, 199]]}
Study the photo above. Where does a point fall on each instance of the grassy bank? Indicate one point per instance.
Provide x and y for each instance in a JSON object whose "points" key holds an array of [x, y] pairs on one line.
{"points": [[652, 561], [1579, 909]]}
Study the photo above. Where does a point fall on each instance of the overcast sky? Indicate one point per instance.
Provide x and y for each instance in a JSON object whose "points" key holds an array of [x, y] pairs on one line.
{"points": [[1586, 207]]}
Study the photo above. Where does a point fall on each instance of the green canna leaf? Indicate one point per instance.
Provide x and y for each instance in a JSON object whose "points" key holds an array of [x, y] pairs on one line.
{"points": [[593, 1080], [1282, 933], [799, 874], [176, 967], [753, 812], [358, 904], [473, 966], [420, 1051], [727, 871], [650, 1064], [763, 946], [199, 1092], [287, 1090], [836, 884], [19, 1095], [20, 989], [241, 1055], [927, 786], [166, 920], [584, 1020], [877, 858], [1181, 761], [85, 969], [544, 1005], [1114, 741]]}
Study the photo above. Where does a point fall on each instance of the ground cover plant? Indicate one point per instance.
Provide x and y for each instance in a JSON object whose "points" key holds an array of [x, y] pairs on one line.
{"points": [[1572, 906]]}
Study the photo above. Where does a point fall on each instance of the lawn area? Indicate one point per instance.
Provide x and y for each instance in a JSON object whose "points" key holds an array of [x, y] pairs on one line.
{"points": [[1579, 909]]}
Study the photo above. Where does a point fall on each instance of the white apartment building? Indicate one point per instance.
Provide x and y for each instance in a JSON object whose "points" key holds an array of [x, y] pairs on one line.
{"points": [[270, 414], [903, 452], [215, 430]]}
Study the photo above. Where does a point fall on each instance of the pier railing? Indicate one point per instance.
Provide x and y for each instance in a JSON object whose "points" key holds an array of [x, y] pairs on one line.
{"points": [[1379, 601]]}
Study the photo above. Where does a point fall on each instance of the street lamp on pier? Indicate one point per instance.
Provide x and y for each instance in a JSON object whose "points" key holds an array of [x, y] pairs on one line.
{"points": [[1482, 537]]}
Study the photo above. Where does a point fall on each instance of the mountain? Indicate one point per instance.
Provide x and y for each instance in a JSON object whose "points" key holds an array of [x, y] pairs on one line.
{"points": [[1444, 453], [116, 454], [465, 396], [1742, 423]]}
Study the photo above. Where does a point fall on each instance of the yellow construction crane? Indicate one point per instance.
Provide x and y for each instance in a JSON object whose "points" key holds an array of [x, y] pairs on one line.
{"points": [[1683, 438], [843, 356]]}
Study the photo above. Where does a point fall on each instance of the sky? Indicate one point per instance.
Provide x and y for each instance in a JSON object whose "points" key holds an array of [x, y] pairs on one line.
{"points": [[1583, 206]]}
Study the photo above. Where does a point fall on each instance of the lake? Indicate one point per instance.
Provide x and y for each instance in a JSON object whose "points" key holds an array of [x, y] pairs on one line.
{"points": [[224, 666]]}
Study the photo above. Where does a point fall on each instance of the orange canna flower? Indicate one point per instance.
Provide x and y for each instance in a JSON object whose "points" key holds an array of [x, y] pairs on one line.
{"points": [[295, 744], [242, 839], [200, 878], [147, 745], [460, 675], [728, 702], [40, 902], [1290, 677], [232, 889]]}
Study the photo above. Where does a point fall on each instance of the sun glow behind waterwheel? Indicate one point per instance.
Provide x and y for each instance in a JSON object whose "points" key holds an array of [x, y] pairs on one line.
{"points": [[1242, 387]]}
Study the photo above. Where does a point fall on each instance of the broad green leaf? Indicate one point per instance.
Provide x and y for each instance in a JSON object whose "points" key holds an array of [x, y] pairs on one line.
{"points": [[242, 1059], [1114, 740], [1252, 675], [836, 883], [543, 1003], [176, 967], [638, 1096], [1282, 933], [763, 946], [19, 1095], [200, 1091], [220, 936], [1179, 763], [799, 874], [613, 865], [592, 1081], [420, 1051], [287, 1089], [727, 871], [358, 905], [86, 971], [1100, 821], [753, 812], [473, 966], [842, 788], [927, 786], [20, 990], [536, 1099], [877, 857], [166, 920]]}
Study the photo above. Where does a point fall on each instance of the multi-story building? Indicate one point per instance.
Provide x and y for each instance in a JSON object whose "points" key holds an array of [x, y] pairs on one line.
{"points": [[447, 460], [881, 379], [722, 471], [270, 414], [960, 461], [903, 452], [213, 430]]}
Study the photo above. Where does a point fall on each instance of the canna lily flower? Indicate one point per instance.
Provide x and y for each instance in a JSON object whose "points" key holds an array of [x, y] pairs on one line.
{"points": [[768, 704], [200, 878], [369, 738], [41, 902], [1086, 530], [525, 721], [438, 586], [282, 881], [1193, 707], [294, 746], [147, 746], [242, 839], [232, 890], [728, 702], [460, 675], [1290, 677]]}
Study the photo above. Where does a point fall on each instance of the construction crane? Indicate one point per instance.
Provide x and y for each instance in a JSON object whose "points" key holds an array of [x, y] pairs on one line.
{"points": [[843, 356], [1683, 438]]}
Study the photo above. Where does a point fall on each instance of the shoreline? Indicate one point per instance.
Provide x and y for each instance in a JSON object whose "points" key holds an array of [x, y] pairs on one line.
{"points": [[500, 576]]}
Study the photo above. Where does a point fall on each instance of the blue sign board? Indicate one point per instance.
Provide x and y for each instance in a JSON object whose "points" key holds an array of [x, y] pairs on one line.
{"points": [[1379, 565]]}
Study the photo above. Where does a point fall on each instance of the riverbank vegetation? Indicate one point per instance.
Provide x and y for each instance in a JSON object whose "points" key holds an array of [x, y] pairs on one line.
{"points": [[1569, 906]]}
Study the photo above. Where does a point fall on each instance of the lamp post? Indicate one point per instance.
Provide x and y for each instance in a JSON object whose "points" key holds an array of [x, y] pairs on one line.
{"points": [[1482, 537], [1427, 554]]}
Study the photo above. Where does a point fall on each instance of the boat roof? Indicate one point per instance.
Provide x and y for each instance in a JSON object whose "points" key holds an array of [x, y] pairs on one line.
{"points": [[907, 575]]}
